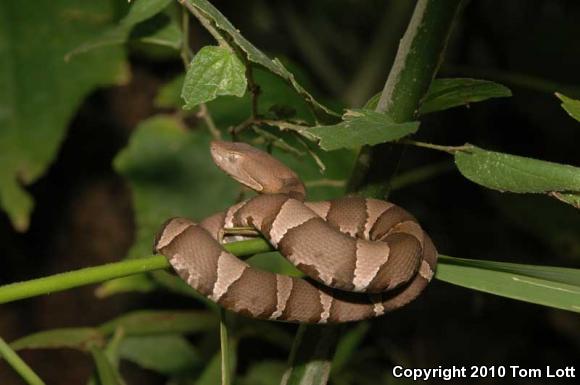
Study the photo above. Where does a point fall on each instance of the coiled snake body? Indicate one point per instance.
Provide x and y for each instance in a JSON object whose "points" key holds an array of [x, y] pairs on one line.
{"points": [[363, 257]]}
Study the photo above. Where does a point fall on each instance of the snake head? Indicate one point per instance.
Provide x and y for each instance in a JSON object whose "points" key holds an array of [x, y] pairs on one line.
{"points": [[256, 169]]}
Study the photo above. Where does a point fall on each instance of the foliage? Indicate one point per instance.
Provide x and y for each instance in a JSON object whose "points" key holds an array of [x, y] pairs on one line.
{"points": [[235, 88]]}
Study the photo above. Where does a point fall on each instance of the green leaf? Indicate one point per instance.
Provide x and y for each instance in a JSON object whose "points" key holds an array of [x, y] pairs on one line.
{"points": [[35, 36], [209, 13], [231, 110], [170, 172], [73, 338], [167, 354], [518, 174], [545, 285], [140, 11], [448, 93], [214, 71], [572, 199], [141, 283], [147, 322], [360, 127], [572, 106], [106, 372]]}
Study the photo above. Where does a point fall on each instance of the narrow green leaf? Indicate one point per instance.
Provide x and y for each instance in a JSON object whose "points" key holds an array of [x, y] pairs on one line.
{"points": [[448, 93], [518, 174], [214, 71], [311, 356], [167, 354], [19, 366], [140, 11], [545, 285], [106, 372], [572, 106], [360, 127], [34, 37], [147, 322], [73, 338], [206, 10]]}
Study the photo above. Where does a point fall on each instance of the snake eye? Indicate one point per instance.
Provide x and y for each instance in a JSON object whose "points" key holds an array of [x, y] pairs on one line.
{"points": [[232, 158]]}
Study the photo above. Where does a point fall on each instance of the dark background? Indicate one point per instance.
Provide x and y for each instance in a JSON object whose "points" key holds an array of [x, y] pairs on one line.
{"points": [[83, 214]]}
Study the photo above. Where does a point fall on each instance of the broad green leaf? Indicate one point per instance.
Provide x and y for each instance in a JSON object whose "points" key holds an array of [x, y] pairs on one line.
{"points": [[448, 93], [545, 285], [311, 356], [170, 172], [140, 11], [208, 12], [73, 338], [141, 283], [39, 91], [572, 106], [105, 371], [147, 322], [167, 354], [518, 174], [231, 110], [214, 71], [360, 127]]}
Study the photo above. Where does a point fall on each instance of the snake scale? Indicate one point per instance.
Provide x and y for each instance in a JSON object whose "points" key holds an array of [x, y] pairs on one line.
{"points": [[362, 257]]}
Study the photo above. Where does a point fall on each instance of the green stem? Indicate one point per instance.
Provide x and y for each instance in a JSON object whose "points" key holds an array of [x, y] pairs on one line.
{"points": [[420, 53], [18, 364], [97, 274], [225, 349]]}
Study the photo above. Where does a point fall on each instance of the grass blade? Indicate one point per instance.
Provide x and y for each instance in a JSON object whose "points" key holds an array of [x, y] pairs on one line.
{"points": [[544, 285]]}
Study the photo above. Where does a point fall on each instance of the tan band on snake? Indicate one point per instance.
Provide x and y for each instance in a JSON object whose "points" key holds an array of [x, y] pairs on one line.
{"points": [[363, 257]]}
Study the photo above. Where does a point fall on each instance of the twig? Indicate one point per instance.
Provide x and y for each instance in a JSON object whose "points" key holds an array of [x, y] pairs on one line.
{"points": [[448, 149], [204, 114]]}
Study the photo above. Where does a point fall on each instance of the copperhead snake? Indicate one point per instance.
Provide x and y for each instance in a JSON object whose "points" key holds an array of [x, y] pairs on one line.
{"points": [[363, 257]]}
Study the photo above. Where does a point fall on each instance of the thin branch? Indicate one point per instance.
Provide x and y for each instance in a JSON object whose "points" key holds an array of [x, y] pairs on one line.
{"points": [[97, 274], [448, 149]]}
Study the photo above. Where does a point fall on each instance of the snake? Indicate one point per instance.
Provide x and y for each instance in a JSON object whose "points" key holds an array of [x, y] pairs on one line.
{"points": [[361, 257]]}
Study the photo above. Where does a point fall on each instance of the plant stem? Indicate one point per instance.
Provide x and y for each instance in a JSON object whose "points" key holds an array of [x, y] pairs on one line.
{"points": [[18, 364], [418, 58], [448, 149], [224, 349], [97, 274]]}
